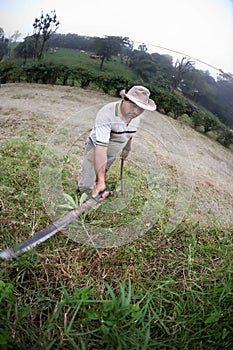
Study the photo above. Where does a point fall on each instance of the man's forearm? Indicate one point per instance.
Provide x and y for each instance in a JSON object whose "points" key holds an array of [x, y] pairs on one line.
{"points": [[100, 163]]}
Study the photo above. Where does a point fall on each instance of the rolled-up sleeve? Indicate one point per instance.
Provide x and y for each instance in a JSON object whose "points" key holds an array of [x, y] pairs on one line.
{"points": [[103, 134], [102, 129]]}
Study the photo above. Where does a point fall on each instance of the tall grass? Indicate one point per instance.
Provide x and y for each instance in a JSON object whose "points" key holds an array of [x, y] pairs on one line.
{"points": [[163, 291]]}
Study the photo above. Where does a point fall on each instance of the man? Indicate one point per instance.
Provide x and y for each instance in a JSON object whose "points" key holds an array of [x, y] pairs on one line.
{"points": [[115, 125]]}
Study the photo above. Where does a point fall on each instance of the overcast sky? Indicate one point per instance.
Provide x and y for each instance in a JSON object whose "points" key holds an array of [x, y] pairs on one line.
{"points": [[201, 29]]}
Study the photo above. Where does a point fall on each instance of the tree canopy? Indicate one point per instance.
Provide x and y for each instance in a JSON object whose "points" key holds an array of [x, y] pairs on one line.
{"points": [[4, 44], [43, 28]]}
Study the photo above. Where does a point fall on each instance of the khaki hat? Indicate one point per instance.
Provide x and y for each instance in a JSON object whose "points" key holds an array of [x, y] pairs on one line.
{"points": [[140, 96]]}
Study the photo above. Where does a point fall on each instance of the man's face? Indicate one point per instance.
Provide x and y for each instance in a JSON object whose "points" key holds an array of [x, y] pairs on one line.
{"points": [[130, 110]]}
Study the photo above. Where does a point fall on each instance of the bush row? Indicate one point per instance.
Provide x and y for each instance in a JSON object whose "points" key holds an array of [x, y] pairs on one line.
{"points": [[49, 73], [206, 122], [167, 102]]}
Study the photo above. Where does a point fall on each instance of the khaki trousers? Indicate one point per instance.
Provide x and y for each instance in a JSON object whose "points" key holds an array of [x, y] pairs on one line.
{"points": [[88, 177]]}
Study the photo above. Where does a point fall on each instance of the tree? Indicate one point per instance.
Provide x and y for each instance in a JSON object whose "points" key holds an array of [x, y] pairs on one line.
{"points": [[224, 100], [143, 65], [44, 28], [164, 70], [16, 35], [180, 70], [4, 43], [107, 47], [71, 41], [142, 47], [126, 48], [25, 49]]}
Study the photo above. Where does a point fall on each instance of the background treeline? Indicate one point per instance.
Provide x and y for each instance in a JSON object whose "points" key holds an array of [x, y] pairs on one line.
{"points": [[217, 96], [178, 87]]}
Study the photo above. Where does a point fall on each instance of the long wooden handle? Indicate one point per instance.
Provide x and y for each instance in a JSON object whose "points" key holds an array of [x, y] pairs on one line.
{"points": [[49, 231], [121, 177]]}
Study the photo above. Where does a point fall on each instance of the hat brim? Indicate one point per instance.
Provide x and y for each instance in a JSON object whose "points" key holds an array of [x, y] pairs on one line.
{"points": [[150, 106]]}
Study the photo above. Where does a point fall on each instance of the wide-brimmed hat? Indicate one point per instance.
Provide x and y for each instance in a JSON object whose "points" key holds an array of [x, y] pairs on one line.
{"points": [[140, 96]]}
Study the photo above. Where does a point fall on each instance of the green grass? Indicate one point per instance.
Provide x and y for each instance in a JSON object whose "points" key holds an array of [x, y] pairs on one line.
{"points": [[161, 291], [135, 194], [21, 207], [74, 58]]}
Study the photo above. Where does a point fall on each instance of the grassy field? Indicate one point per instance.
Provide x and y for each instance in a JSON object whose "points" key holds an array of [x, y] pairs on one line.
{"points": [[164, 291], [75, 58]]}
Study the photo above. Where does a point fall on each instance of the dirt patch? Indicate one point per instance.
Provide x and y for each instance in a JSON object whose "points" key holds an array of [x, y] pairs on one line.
{"points": [[193, 165]]}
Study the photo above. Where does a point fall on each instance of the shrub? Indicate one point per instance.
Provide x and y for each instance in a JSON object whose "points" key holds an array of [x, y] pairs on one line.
{"points": [[167, 101], [113, 85], [206, 120], [9, 72], [225, 137], [42, 73], [197, 118], [210, 122]]}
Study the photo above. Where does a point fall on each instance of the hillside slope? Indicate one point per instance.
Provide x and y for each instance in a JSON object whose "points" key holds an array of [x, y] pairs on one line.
{"points": [[194, 172]]}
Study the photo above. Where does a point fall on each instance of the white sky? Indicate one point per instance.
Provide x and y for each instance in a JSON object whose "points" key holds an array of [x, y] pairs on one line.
{"points": [[201, 29]]}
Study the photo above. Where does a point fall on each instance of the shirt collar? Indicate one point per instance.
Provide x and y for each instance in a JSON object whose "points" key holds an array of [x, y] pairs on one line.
{"points": [[118, 112]]}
